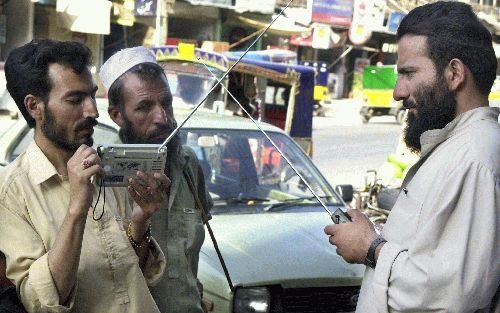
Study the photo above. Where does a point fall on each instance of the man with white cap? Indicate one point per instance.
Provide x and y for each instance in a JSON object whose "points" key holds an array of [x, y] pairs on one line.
{"points": [[140, 102], [60, 256]]}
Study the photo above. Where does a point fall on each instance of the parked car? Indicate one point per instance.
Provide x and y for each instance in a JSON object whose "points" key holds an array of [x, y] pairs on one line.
{"points": [[268, 225]]}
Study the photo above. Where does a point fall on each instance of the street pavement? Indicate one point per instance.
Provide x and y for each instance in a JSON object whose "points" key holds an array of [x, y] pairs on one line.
{"points": [[345, 148]]}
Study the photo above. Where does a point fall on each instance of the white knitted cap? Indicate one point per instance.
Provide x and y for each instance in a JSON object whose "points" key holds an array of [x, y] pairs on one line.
{"points": [[122, 61]]}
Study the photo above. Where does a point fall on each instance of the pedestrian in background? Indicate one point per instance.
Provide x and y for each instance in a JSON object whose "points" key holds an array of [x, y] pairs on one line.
{"points": [[439, 250]]}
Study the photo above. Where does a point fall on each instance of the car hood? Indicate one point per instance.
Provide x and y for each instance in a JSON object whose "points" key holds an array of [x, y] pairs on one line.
{"points": [[289, 249]]}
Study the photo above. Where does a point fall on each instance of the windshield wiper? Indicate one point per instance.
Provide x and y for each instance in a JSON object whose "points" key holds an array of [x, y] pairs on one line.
{"points": [[245, 200], [293, 202]]}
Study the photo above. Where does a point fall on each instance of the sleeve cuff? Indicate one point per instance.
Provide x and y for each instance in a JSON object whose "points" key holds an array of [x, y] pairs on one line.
{"points": [[386, 258], [43, 285], [155, 264]]}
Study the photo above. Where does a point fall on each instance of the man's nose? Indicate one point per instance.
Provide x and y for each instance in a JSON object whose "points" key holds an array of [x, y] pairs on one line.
{"points": [[90, 108], [159, 115], [400, 91]]}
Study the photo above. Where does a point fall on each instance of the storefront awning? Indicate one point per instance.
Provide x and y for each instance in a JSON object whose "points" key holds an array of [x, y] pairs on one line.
{"points": [[283, 26]]}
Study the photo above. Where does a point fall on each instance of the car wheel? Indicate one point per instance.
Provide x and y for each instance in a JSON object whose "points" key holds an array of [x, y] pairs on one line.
{"points": [[365, 118]]}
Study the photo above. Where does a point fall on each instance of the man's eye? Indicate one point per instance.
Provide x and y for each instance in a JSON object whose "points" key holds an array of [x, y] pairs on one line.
{"points": [[143, 108], [75, 100]]}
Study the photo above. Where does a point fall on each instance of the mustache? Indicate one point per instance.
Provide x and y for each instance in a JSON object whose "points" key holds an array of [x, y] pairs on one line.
{"points": [[86, 123], [409, 104], [163, 130]]}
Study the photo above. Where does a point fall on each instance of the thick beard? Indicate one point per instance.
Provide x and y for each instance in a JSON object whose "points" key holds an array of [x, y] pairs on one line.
{"points": [[58, 135], [434, 110], [129, 136]]}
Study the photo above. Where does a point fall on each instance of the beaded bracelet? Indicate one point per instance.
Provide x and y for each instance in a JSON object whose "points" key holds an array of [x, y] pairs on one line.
{"points": [[146, 240]]}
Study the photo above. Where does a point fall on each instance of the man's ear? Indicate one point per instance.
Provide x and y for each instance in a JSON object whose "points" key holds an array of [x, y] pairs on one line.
{"points": [[455, 74], [116, 115], [34, 107]]}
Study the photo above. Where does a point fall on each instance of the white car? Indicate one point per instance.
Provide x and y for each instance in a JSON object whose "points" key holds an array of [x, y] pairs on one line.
{"points": [[268, 225]]}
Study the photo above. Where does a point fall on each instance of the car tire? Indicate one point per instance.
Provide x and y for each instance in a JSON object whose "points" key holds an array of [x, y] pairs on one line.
{"points": [[365, 118]]}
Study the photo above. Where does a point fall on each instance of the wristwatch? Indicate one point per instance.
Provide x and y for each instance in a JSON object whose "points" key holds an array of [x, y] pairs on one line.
{"points": [[370, 255]]}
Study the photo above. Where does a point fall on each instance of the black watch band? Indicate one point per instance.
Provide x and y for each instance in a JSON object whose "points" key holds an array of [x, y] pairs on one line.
{"points": [[370, 255]]}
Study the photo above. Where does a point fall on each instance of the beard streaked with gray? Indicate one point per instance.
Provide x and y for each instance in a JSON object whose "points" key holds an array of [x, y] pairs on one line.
{"points": [[128, 135], [435, 107]]}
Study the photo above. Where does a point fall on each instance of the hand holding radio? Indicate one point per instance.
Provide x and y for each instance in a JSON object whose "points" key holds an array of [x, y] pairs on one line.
{"points": [[148, 190], [352, 239], [84, 164]]}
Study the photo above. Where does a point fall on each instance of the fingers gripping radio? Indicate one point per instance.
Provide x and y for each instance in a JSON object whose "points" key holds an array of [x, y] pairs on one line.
{"points": [[120, 161]]}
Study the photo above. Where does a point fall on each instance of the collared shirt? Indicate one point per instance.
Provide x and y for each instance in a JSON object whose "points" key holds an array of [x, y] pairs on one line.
{"points": [[443, 232], [179, 230], [34, 200]]}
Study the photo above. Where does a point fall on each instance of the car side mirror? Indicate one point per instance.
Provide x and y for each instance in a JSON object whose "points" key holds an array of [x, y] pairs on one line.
{"points": [[345, 191]]}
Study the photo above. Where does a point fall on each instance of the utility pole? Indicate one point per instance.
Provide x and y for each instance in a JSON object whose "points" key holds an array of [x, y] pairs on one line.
{"points": [[161, 23]]}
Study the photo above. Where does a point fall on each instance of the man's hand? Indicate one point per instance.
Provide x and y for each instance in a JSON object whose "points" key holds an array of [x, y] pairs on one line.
{"points": [[352, 239], [84, 164], [149, 192]]}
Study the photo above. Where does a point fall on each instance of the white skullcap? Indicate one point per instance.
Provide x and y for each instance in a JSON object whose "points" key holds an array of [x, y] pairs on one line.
{"points": [[122, 61]]}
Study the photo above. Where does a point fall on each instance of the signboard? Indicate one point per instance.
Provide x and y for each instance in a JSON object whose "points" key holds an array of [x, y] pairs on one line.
{"points": [[145, 8], [394, 21], [321, 36], [332, 12]]}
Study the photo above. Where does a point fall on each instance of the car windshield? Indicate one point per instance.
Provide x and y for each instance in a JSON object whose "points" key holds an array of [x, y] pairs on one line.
{"points": [[190, 83], [245, 173]]}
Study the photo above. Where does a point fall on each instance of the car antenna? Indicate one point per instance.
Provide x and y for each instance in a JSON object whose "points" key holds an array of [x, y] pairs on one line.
{"points": [[176, 130]]}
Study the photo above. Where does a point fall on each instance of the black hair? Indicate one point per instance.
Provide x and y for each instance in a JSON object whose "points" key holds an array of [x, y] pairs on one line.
{"points": [[454, 31], [145, 71], [26, 68]]}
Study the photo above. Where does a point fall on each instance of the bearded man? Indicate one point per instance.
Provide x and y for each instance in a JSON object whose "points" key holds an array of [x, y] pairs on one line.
{"points": [[140, 102], [60, 255], [438, 251]]}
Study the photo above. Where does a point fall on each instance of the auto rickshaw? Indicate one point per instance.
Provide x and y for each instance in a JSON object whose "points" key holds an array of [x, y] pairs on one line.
{"points": [[191, 74], [378, 85], [282, 93]]}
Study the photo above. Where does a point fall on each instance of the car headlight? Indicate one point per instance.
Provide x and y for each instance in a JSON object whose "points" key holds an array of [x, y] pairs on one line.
{"points": [[252, 300]]}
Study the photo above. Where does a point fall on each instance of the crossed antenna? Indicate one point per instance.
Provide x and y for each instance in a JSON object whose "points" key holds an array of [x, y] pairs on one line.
{"points": [[338, 214], [272, 142]]}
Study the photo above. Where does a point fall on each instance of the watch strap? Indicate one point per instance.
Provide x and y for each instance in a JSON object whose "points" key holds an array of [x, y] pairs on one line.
{"points": [[370, 255]]}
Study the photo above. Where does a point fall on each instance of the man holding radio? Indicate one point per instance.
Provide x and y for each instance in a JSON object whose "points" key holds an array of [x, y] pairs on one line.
{"points": [[60, 254], [140, 102], [439, 250]]}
